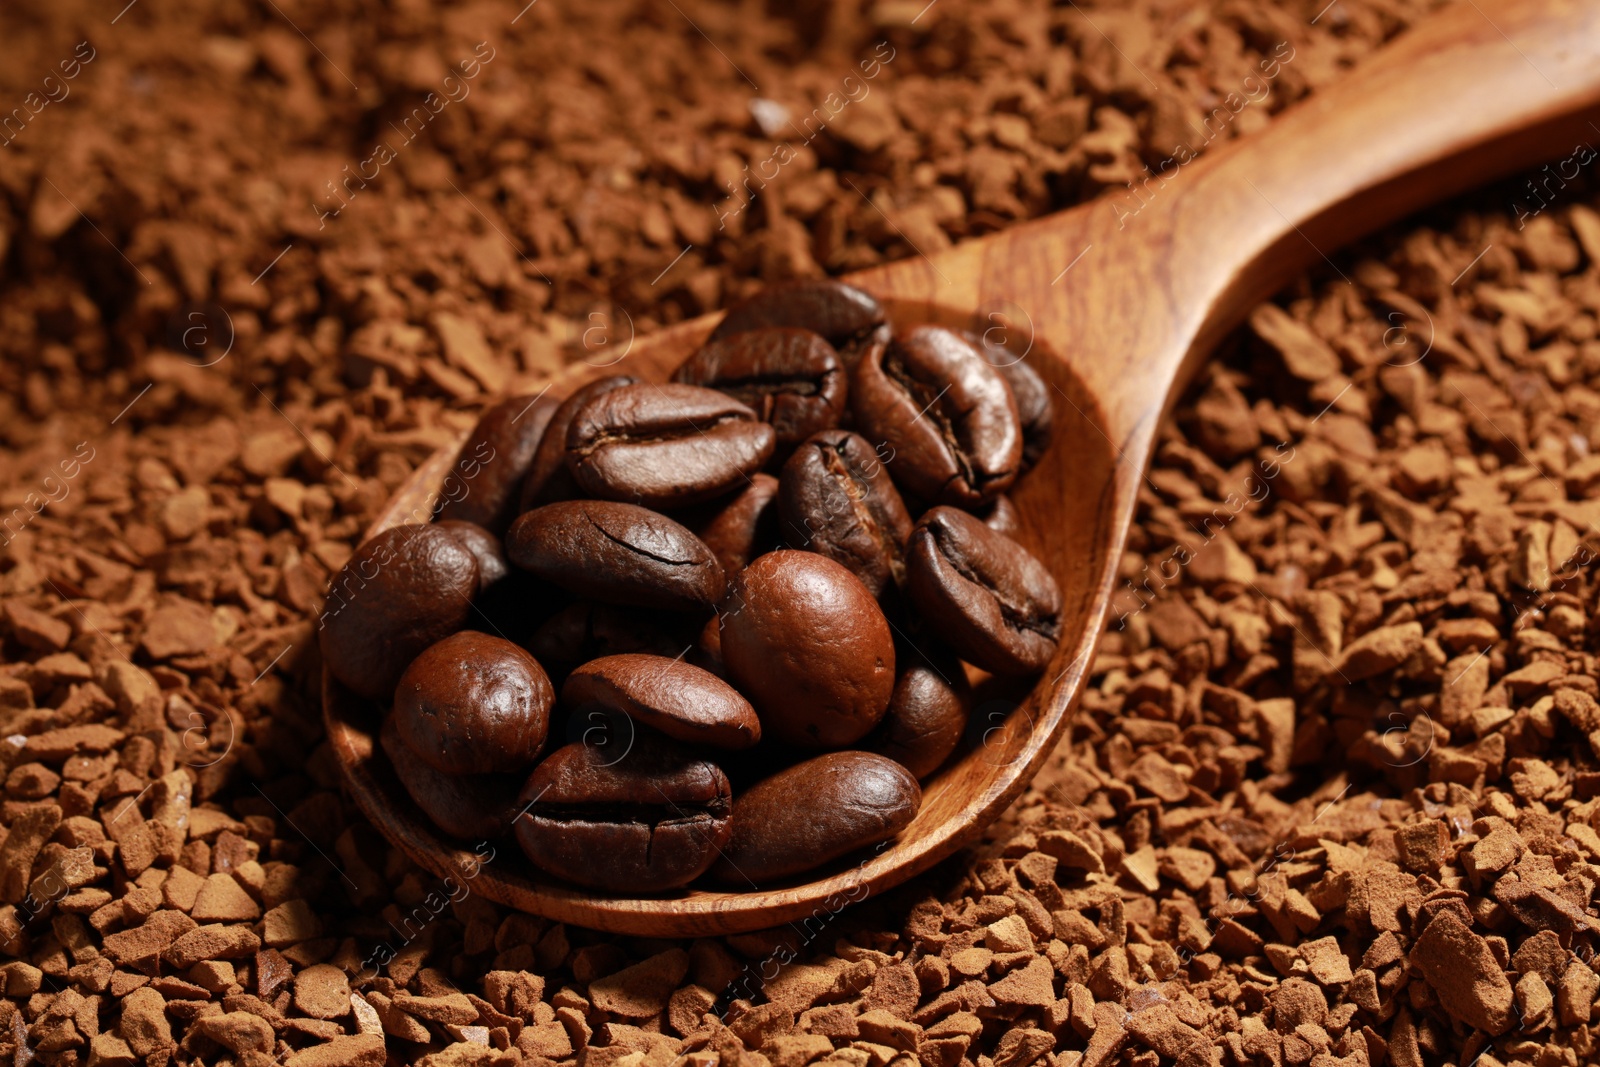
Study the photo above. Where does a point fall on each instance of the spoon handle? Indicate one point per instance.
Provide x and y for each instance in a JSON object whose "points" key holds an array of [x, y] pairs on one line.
{"points": [[1479, 91], [1158, 273]]}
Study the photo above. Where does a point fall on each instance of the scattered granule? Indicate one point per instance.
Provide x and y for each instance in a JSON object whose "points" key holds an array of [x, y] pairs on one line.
{"points": [[238, 1031], [215, 941], [1378, 651], [1460, 967], [357, 1050], [1154, 774], [895, 989], [144, 1023], [450, 1008], [322, 992], [1421, 845], [1326, 961], [1021, 1047], [1008, 935], [797, 1050], [142, 944], [1575, 994], [223, 899], [1032, 985], [289, 923], [642, 990], [24, 837]]}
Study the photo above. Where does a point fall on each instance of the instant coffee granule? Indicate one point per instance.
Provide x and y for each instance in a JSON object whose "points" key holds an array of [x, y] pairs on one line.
{"points": [[1330, 797]]}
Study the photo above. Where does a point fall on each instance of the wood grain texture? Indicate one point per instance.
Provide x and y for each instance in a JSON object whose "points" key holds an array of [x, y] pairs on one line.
{"points": [[1120, 306]]}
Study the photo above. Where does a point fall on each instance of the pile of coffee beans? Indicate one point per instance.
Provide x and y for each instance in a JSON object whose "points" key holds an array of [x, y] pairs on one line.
{"points": [[713, 627]]}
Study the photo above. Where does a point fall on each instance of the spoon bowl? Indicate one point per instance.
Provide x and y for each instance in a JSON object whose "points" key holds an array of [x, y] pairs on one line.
{"points": [[1116, 301]]}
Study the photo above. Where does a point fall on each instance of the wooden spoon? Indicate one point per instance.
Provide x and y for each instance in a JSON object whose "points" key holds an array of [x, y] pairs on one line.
{"points": [[1122, 297]]}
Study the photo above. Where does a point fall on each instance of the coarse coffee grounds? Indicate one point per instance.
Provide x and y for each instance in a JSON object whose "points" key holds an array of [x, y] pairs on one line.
{"points": [[1236, 852]]}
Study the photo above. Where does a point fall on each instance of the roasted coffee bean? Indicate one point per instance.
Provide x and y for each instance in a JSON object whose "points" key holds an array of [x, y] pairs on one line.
{"points": [[1001, 516], [400, 592], [1036, 411], [991, 601], [618, 554], [927, 712], [665, 446], [744, 527], [650, 820], [548, 479], [485, 485], [807, 643], [837, 499], [676, 698], [816, 812], [789, 378], [485, 548], [474, 704], [476, 807], [852, 321], [584, 631], [947, 417]]}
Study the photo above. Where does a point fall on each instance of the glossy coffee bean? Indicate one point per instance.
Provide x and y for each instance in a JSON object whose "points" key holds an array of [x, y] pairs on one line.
{"points": [[837, 499], [744, 527], [1036, 408], [790, 378], [548, 479], [474, 704], [849, 319], [665, 446], [485, 548], [807, 643], [617, 554], [399, 593], [667, 695], [485, 484], [651, 820], [584, 631], [947, 417], [990, 600], [476, 807], [927, 712], [816, 812]]}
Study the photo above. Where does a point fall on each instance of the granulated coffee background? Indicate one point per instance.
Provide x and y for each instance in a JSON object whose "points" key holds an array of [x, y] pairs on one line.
{"points": [[1332, 796]]}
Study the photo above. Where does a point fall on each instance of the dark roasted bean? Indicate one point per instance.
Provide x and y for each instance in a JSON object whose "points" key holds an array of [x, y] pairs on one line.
{"points": [[947, 417], [485, 484], [477, 807], [745, 526], [474, 704], [807, 643], [665, 445], [927, 712], [816, 812], [851, 320], [399, 593], [650, 820], [548, 479], [990, 600], [618, 554], [485, 548], [837, 499], [789, 378], [676, 698], [1036, 411]]}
